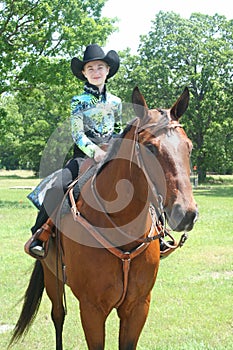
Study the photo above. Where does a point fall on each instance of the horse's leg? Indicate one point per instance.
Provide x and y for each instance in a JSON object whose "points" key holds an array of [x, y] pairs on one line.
{"points": [[54, 289], [132, 319], [93, 321]]}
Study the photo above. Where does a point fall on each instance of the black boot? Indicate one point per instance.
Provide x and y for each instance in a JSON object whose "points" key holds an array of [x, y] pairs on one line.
{"points": [[52, 198], [37, 246]]}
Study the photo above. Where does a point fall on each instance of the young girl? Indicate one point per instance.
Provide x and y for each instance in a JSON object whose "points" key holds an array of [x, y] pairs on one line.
{"points": [[95, 118]]}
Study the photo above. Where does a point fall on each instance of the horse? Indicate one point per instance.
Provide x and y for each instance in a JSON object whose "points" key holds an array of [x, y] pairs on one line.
{"points": [[107, 249]]}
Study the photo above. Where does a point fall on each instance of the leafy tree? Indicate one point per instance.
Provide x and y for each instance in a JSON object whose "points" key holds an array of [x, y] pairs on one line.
{"points": [[198, 53], [36, 36], [37, 40], [10, 132], [42, 116]]}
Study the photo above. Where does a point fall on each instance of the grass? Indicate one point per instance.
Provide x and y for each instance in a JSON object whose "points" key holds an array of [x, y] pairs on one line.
{"points": [[191, 307]]}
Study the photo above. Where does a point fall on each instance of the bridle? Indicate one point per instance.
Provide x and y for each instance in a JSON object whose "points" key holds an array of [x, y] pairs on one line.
{"points": [[158, 216], [160, 211], [141, 163]]}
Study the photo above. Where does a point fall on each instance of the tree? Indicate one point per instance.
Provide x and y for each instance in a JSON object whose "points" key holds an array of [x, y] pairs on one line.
{"points": [[37, 35], [37, 40], [198, 53], [38, 43], [10, 132]]}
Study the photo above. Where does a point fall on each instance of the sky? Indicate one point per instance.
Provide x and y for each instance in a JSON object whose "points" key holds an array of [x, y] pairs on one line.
{"points": [[135, 16]]}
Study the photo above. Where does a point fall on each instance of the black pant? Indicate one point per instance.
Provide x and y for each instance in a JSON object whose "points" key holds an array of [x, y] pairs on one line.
{"points": [[55, 194]]}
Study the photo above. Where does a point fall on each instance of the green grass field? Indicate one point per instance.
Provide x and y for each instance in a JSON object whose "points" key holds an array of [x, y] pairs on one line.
{"points": [[192, 300]]}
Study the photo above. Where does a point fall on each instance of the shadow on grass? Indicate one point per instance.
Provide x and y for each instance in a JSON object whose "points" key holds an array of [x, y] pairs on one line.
{"points": [[17, 177], [214, 191], [15, 204]]}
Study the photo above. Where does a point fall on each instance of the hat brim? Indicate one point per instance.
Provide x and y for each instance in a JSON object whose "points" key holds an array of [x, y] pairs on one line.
{"points": [[112, 60]]}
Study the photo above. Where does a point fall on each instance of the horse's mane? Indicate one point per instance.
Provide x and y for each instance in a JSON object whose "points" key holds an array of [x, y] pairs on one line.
{"points": [[114, 146], [115, 142]]}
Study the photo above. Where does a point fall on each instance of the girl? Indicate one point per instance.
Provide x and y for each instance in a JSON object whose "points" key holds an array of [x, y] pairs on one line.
{"points": [[95, 119]]}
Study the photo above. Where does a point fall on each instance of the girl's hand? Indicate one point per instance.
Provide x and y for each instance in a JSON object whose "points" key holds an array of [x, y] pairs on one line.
{"points": [[99, 155]]}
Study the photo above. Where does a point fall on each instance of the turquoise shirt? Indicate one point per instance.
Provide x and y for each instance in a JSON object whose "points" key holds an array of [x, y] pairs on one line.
{"points": [[95, 118]]}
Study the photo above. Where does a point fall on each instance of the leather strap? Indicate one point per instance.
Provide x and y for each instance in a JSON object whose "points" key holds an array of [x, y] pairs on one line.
{"points": [[125, 256], [172, 245], [46, 230]]}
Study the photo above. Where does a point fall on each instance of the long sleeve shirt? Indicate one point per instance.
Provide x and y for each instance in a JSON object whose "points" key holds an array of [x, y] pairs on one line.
{"points": [[95, 118]]}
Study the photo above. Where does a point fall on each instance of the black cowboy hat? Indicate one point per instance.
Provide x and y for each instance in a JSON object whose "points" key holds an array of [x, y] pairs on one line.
{"points": [[94, 52]]}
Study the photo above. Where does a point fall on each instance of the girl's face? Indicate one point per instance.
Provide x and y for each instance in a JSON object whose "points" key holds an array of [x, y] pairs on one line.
{"points": [[96, 73]]}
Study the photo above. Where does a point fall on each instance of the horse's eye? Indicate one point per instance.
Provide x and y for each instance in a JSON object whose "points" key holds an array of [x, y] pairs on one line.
{"points": [[152, 148]]}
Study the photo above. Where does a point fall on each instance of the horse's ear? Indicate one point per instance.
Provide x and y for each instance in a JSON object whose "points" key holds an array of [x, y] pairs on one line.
{"points": [[139, 103], [181, 105]]}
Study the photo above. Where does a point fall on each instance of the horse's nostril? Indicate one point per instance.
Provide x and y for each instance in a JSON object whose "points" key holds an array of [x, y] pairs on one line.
{"points": [[182, 220], [191, 216], [189, 220], [196, 217]]}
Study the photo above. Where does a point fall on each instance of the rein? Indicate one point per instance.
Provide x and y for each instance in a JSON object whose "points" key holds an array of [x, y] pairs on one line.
{"points": [[103, 210], [157, 226]]}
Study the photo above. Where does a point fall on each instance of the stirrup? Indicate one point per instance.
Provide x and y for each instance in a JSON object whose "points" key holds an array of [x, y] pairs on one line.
{"points": [[43, 234]]}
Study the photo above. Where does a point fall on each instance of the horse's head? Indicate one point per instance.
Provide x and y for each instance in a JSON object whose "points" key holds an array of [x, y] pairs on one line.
{"points": [[165, 155]]}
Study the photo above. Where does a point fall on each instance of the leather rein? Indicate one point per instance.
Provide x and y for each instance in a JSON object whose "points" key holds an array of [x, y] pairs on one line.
{"points": [[157, 229]]}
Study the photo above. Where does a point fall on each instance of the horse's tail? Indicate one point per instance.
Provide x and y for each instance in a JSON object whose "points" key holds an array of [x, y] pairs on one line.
{"points": [[32, 299]]}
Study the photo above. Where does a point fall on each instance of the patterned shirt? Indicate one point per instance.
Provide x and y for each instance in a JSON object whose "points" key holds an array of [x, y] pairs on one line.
{"points": [[95, 118]]}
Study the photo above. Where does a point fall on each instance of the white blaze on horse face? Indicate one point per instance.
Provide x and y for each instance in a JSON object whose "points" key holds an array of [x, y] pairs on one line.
{"points": [[182, 212], [175, 142], [178, 149]]}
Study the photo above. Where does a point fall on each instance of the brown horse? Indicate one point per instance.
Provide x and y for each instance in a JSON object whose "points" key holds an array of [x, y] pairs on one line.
{"points": [[110, 249]]}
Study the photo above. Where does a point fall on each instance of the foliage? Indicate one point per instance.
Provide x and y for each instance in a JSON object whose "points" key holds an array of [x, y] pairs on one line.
{"points": [[38, 38], [198, 53], [11, 130]]}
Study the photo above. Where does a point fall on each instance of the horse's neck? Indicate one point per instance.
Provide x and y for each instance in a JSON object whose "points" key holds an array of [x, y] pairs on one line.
{"points": [[118, 194], [122, 183]]}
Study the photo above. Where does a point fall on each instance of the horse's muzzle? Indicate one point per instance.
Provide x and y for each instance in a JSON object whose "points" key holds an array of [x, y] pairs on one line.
{"points": [[182, 220]]}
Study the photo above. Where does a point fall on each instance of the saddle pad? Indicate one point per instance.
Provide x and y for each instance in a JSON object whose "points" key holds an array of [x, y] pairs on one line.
{"points": [[38, 193]]}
